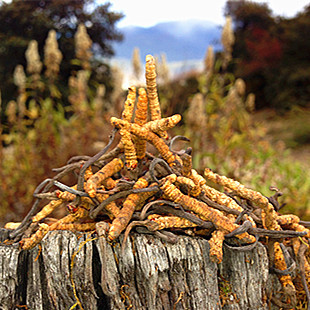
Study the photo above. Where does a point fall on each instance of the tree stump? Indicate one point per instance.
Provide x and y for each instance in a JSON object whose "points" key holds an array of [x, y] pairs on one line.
{"points": [[83, 271]]}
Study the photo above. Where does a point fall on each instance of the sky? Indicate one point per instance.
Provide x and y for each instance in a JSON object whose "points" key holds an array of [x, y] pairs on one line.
{"points": [[147, 13]]}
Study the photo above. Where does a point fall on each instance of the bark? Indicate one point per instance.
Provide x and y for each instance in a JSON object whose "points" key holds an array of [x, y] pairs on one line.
{"points": [[149, 274]]}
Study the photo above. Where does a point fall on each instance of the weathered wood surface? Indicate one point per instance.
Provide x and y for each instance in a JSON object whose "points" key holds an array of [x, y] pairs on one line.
{"points": [[150, 274]]}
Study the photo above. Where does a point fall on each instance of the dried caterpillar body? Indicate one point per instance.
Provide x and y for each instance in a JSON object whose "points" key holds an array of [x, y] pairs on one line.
{"points": [[149, 136], [287, 219], [107, 171], [141, 111], [197, 178], [193, 189], [99, 196], [163, 149], [224, 200], [217, 196], [129, 104], [279, 263], [141, 119], [165, 222], [270, 218], [216, 246], [187, 165], [143, 196], [54, 204], [109, 183], [150, 76], [163, 124], [125, 214], [82, 211], [88, 173], [12, 225], [29, 243], [66, 196], [129, 149], [112, 210], [200, 208], [76, 226], [47, 210]]}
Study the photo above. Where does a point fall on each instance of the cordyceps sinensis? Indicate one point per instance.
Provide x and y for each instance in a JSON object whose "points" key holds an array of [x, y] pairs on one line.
{"points": [[33, 240], [141, 119], [63, 197], [165, 192], [270, 215], [145, 134], [29, 243], [129, 149], [150, 77], [129, 104], [200, 208], [163, 124], [126, 139], [107, 171], [130, 204]]}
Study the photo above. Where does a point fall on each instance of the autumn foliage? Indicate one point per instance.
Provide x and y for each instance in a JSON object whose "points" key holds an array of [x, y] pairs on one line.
{"points": [[271, 54]]}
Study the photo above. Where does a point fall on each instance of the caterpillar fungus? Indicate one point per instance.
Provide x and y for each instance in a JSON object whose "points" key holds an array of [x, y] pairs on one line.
{"points": [[141, 119], [163, 124], [126, 140], [144, 133], [129, 104], [270, 215], [164, 222], [200, 208], [150, 77], [129, 206], [107, 171]]}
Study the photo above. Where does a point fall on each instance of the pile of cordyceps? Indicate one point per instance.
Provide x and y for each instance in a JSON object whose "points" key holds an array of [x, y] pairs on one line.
{"points": [[129, 186]]}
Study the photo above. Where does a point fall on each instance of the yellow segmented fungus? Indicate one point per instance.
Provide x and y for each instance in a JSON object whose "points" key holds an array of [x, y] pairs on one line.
{"points": [[202, 209], [279, 263], [163, 124], [107, 171], [29, 243], [47, 210], [216, 246], [125, 214], [150, 76], [141, 119], [270, 220], [164, 222], [149, 136], [129, 104], [77, 226], [129, 149]]}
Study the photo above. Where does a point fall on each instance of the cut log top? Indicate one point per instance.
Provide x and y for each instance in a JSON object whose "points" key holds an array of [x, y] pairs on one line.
{"points": [[82, 271]]}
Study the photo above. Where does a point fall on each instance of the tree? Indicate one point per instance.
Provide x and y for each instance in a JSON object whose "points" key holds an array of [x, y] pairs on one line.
{"points": [[257, 47], [272, 54], [290, 84], [22, 21]]}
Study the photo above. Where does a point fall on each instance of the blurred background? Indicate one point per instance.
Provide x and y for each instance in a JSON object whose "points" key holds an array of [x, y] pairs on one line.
{"points": [[237, 71]]}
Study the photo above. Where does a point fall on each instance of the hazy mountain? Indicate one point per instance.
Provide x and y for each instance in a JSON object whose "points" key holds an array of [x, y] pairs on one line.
{"points": [[180, 41]]}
